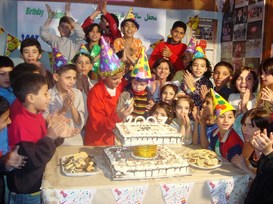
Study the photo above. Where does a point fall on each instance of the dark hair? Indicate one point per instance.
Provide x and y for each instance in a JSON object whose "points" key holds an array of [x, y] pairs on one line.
{"points": [[238, 73], [224, 64], [66, 19], [4, 105], [207, 74], [89, 28], [29, 83], [267, 67], [129, 20], [80, 54], [258, 117], [114, 17], [173, 86], [168, 109], [179, 24], [162, 60], [6, 62], [22, 69], [185, 98], [30, 42], [65, 68]]}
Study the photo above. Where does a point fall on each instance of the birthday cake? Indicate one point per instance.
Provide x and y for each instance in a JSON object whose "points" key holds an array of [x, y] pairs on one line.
{"points": [[132, 134], [124, 165]]}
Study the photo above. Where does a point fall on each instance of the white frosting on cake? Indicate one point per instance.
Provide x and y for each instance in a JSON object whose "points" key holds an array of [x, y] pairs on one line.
{"points": [[131, 134], [124, 166]]}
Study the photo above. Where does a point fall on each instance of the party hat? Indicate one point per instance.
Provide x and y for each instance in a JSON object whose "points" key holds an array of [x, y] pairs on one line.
{"points": [[58, 59], [200, 49], [191, 46], [130, 17], [83, 50], [141, 69], [220, 104], [109, 61]]}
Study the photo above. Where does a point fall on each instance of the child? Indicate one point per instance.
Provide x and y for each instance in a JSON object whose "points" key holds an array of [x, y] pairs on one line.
{"points": [[252, 121], [83, 62], [28, 130], [197, 74], [173, 49], [138, 88], [168, 93], [67, 100], [163, 72], [224, 140], [162, 109], [244, 83], [265, 99], [31, 52], [92, 35], [102, 100], [6, 66], [261, 188], [222, 74], [108, 22], [67, 44], [128, 44], [204, 122], [182, 122]]}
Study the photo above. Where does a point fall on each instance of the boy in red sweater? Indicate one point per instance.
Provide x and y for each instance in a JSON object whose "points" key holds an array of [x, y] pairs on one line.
{"points": [[173, 49], [102, 100]]}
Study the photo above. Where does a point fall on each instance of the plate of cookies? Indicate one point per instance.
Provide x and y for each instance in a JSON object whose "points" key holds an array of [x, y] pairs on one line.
{"points": [[79, 164], [203, 159]]}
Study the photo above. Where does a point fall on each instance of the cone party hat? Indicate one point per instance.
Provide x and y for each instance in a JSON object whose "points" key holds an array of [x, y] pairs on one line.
{"points": [[58, 59], [130, 17]]}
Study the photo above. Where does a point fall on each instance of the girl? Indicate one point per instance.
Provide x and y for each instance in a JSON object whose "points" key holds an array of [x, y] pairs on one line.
{"points": [[197, 74], [266, 90], [162, 109], [163, 71], [182, 122], [168, 92], [244, 83], [252, 121], [92, 35]]}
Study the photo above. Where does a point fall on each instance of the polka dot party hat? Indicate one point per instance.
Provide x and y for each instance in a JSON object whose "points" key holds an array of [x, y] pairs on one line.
{"points": [[58, 59], [220, 105], [110, 64], [141, 70]]}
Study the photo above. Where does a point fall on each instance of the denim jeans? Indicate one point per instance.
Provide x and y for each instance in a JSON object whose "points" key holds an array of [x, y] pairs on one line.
{"points": [[33, 198]]}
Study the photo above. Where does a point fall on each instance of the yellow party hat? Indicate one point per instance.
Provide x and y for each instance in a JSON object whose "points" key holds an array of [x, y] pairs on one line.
{"points": [[220, 105], [130, 17]]}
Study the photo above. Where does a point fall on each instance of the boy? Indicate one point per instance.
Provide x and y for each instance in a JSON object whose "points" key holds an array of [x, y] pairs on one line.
{"points": [[102, 100], [138, 89], [108, 22], [222, 74], [31, 52], [173, 49], [67, 100], [28, 131], [224, 140], [129, 46], [6, 66], [66, 43]]}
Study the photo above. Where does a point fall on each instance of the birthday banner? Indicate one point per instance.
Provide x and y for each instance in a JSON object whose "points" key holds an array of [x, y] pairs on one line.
{"points": [[32, 15]]}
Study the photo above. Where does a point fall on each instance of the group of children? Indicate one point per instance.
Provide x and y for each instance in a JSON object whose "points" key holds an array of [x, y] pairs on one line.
{"points": [[101, 76]]}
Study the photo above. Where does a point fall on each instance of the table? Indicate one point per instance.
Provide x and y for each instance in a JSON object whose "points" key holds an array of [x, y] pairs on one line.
{"points": [[226, 182]]}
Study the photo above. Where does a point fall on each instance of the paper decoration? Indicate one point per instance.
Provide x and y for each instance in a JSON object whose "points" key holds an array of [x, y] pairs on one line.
{"points": [[79, 196], [229, 191], [129, 195], [12, 43], [176, 193]]}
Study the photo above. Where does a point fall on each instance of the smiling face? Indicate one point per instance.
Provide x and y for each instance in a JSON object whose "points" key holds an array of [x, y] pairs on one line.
{"points": [[245, 81], [94, 35], [177, 34], [248, 130], [267, 79], [221, 76], [162, 71], [31, 54], [129, 29], [199, 67], [168, 95], [65, 29], [225, 121], [4, 76], [83, 64], [66, 80]]}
